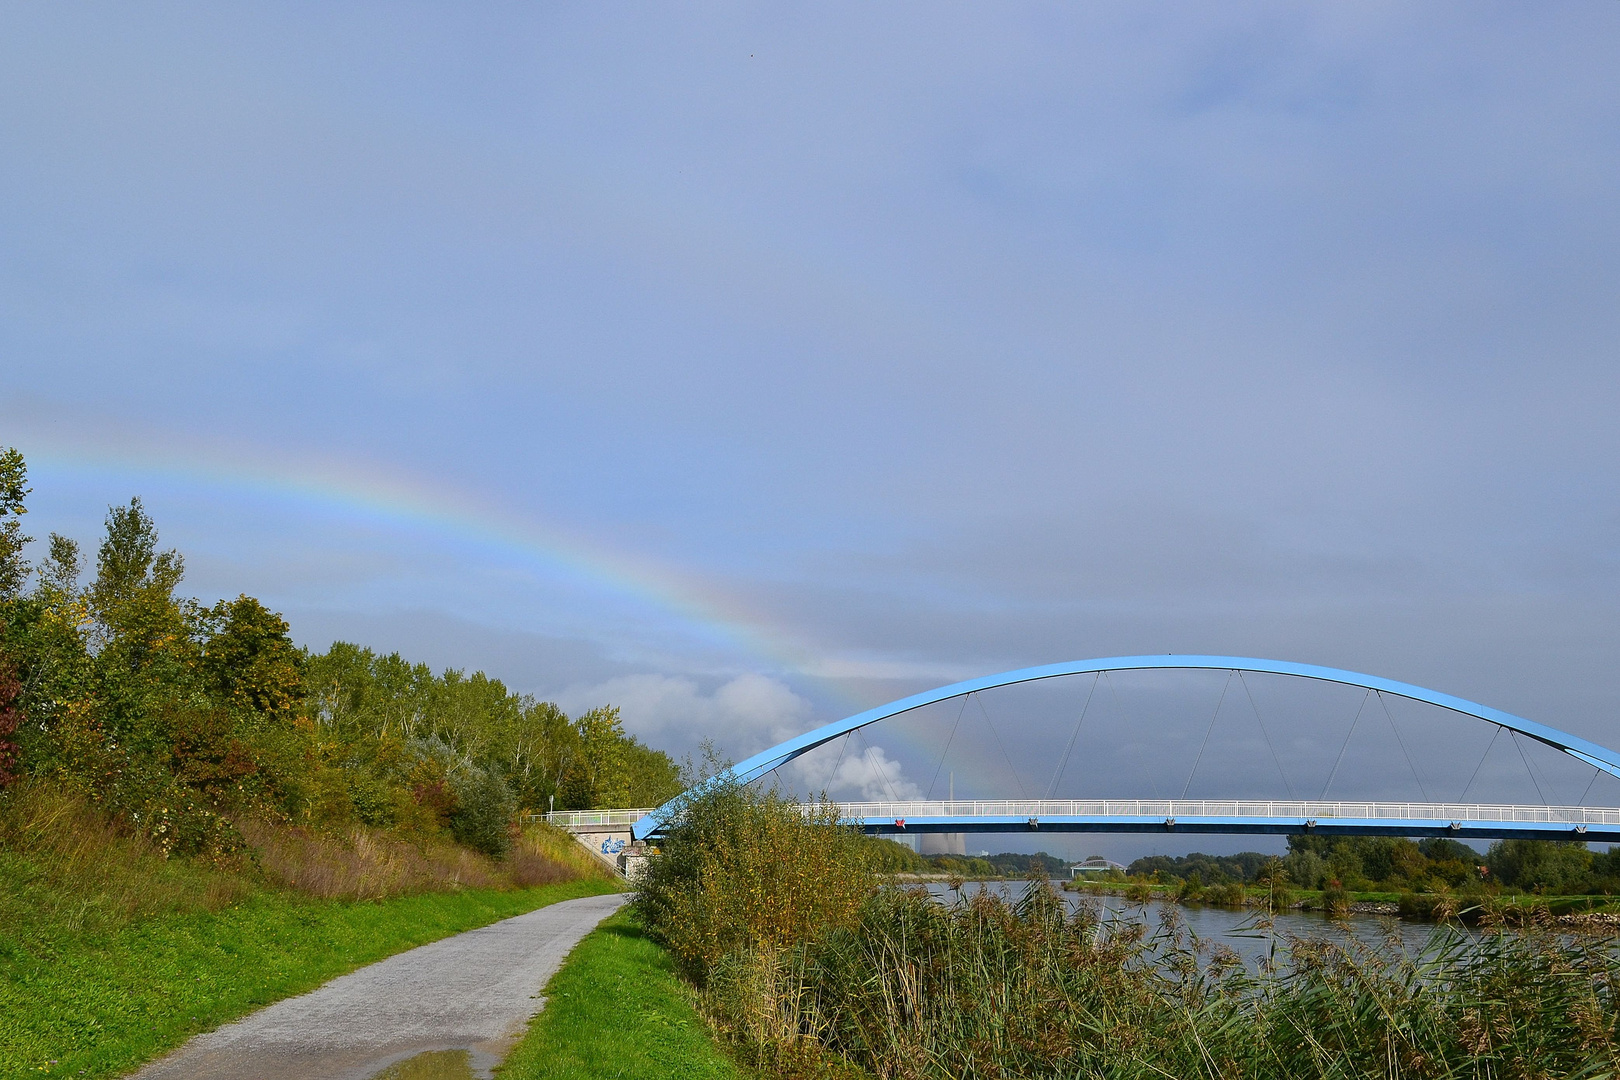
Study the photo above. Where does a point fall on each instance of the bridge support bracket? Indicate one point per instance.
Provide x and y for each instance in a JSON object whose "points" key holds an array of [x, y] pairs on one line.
{"points": [[1034, 823], [1169, 822], [1580, 828]]}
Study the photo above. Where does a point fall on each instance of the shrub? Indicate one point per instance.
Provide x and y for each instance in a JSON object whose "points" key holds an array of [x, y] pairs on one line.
{"points": [[483, 816], [1335, 900], [742, 870]]}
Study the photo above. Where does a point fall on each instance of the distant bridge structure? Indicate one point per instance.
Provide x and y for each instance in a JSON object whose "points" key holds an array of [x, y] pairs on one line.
{"points": [[1461, 820]]}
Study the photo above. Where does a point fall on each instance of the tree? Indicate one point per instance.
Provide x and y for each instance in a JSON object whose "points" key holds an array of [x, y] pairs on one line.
{"points": [[59, 573], [10, 719], [1548, 866], [133, 578], [251, 661], [13, 491]]}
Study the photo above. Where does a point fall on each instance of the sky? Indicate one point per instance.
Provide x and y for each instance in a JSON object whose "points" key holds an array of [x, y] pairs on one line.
{"points": [[749, 366]]}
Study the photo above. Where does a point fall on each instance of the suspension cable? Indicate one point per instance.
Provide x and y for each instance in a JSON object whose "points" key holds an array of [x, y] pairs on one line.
{"points": [[1275, 760], [1010, 766], [947, 750], [1346, 745], [1410, 764], [1596, 772], [1494, 736], [1051, 788], [867, 753], [1152, 774], [1224, 687], [1520, 747], [843, 746]]}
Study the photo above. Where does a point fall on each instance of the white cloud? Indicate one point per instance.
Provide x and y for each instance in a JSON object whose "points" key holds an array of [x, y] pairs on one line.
{"points": [[742, 716], [865, 772]]}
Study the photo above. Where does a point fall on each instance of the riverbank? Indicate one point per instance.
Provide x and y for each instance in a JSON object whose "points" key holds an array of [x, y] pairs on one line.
{"points": [[1513, 907]]}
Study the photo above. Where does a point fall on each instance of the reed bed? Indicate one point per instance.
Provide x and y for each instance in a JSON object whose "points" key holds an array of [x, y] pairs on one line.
{"points": [[986, 988], [898, 985]]}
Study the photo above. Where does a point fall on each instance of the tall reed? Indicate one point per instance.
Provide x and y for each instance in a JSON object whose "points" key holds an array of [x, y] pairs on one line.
{"points": [[986, 988]]}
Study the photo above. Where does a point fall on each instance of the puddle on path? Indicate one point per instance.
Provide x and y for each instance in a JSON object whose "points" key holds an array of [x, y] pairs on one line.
{"points": [[433, 1065]]}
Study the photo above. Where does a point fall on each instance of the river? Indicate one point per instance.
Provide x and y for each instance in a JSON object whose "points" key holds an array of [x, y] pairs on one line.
{"points": [[1234, 927]]}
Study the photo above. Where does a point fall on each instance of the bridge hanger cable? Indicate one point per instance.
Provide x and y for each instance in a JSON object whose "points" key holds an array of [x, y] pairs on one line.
{"points": [[943, 753], [1520, 748], [842, 748], [1410, 764], [1275, 760], [1147, 768], [876, 764], [1497, 734], [1345, 745], [1016, 778], [1051, 788], [1536, 771], [1596, 772], [1201, 746]]}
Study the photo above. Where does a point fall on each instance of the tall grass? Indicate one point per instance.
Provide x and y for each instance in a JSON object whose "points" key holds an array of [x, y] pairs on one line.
{"points": [[987, 988], [64, 864], [360, 863], [67, 867], [809, 974]]}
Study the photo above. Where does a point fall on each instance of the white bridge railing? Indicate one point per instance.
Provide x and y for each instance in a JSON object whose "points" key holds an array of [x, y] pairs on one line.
{"points": [[580, 820], [1192, 809], [1159, 809]]}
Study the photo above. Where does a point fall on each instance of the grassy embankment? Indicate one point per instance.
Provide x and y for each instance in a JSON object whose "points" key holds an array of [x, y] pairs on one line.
{"points": [[617, 1009], [111, 955]]}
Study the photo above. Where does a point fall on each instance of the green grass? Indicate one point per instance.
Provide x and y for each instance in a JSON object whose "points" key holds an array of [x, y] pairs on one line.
{"points": [[97, 1002], [617, 1010]]}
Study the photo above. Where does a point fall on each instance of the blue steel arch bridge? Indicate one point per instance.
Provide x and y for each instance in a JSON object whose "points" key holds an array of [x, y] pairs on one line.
{"points": [[1183, 815]]}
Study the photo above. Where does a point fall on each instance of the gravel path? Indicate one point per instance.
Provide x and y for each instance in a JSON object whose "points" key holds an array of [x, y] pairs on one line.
{"points": [[474, 991]]}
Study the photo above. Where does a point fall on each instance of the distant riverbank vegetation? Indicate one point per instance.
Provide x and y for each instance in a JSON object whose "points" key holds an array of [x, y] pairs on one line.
{"points": [[201, 728], [1425, 877], [810, 962], [896, 858]]}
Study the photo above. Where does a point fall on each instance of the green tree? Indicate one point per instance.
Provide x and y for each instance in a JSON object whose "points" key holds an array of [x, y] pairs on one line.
{"points": [[1540, 865], [59, 573], [13, 492], [251, 661]]}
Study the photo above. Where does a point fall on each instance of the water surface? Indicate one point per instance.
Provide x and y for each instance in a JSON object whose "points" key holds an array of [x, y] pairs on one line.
{"points": [[1233, 927]]}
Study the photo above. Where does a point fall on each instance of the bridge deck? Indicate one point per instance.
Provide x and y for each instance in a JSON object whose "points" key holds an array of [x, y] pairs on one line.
{"points": [[1239, 816], [1462, 820]]}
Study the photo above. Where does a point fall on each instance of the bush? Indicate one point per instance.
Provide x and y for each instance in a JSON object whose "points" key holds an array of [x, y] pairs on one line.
{"points": [[1335, 900], [742, 870], [483, 816]]}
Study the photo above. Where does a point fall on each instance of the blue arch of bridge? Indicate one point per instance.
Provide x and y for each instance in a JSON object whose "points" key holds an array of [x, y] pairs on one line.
{"points": [[1597, 756]]}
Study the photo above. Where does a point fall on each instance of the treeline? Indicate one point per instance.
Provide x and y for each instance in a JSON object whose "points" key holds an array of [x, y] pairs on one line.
{"points": [[174, 715], [1397, 864], [891, 857]]}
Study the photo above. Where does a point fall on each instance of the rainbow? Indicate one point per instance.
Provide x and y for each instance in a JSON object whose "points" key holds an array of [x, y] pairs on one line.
{"points": [[375, 497], [378, 498]]}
